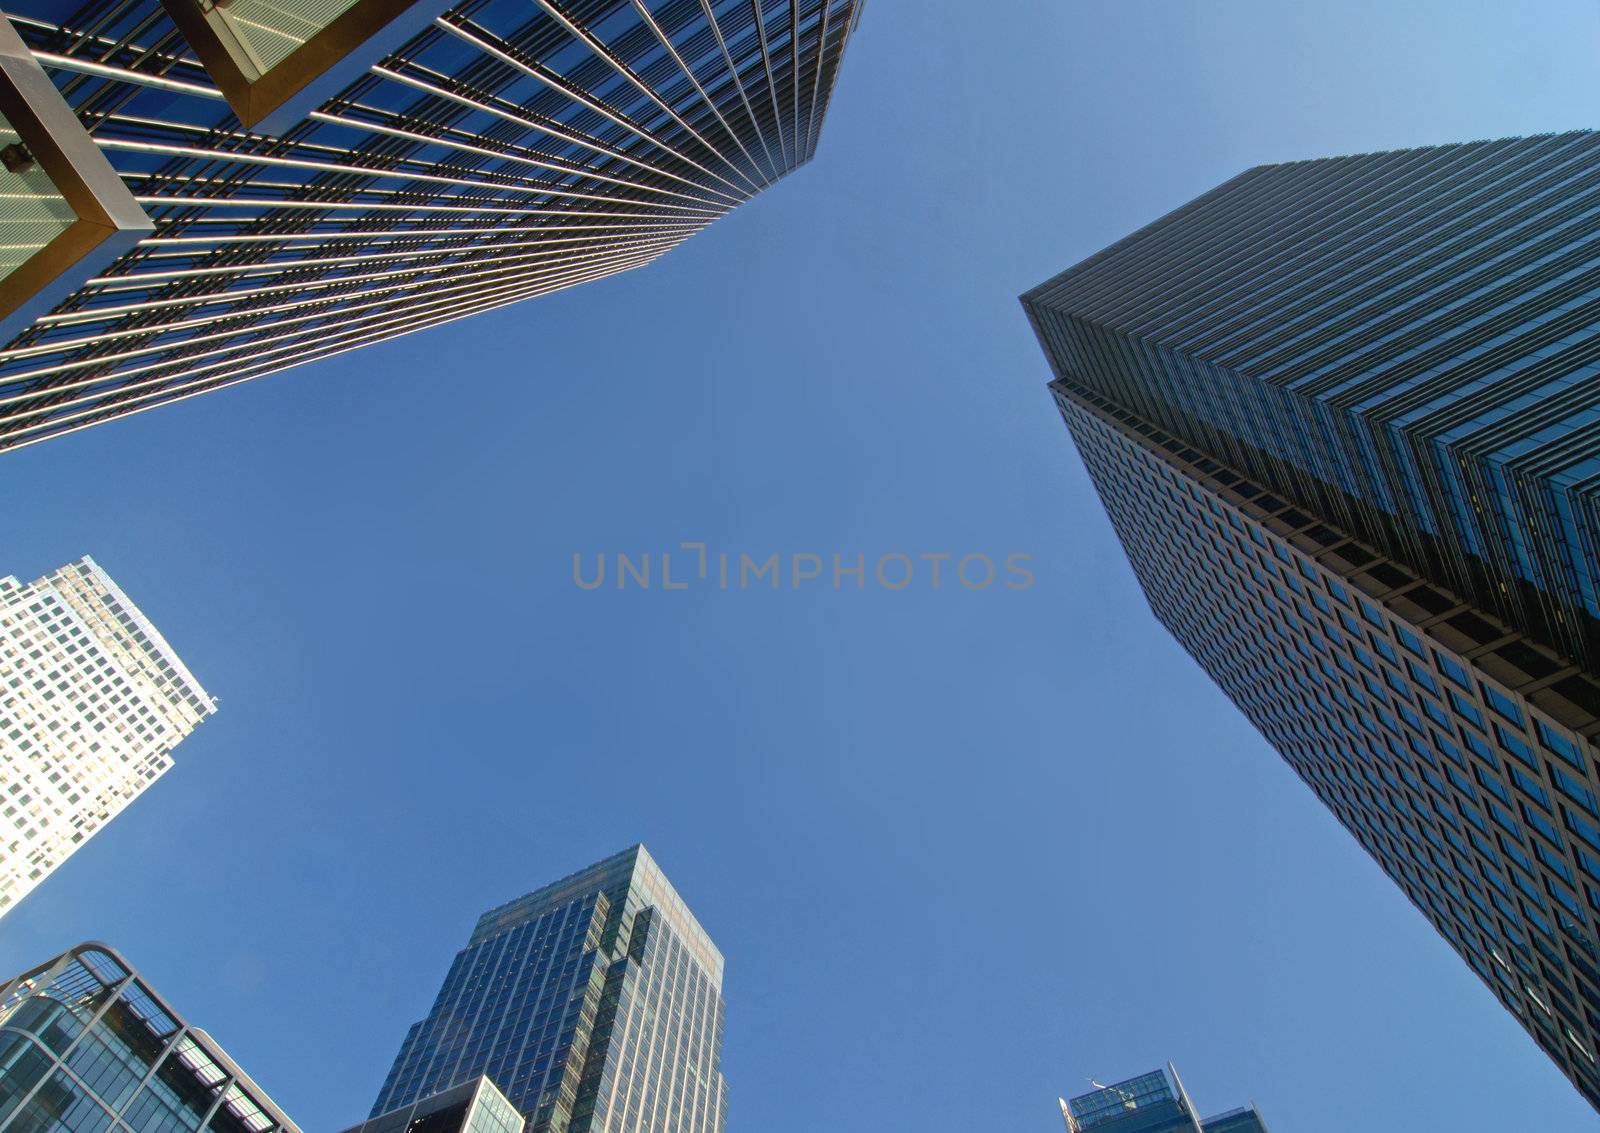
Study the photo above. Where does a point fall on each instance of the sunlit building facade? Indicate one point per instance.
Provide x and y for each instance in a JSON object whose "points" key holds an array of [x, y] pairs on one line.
{"points": [[92, 703], [1296, 396], [594, 1005], [210, 192], [86, 1046], [1152, 1103]]}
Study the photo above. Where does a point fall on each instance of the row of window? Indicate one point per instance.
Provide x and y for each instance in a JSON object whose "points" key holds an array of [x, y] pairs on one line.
{"points": [[1243, 603]]}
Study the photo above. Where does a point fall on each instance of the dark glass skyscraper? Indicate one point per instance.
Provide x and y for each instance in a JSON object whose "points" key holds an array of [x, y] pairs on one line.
{"points": [[1345, 418], [594, 1005], [401, 163], [1404, 343], [1152, 1103]]}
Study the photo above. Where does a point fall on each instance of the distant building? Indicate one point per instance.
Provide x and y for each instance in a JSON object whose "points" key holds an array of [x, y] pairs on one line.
{"points": [[474, 1106], [1344, 416], [92, 702], [594, 1005], [1152, 1103], [86, 1046]]}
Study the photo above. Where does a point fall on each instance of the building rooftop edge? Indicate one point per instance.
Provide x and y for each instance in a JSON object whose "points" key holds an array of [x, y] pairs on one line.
{"points": [[488, 924], [1030, 297], [157, 638], [489, 915]]}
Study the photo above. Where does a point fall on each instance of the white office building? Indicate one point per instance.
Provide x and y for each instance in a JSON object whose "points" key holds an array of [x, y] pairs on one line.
{"points": [[92, 702]]}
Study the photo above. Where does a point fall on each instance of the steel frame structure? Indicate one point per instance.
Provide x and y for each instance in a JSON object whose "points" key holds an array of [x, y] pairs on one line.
{"points": [[508, 150]]}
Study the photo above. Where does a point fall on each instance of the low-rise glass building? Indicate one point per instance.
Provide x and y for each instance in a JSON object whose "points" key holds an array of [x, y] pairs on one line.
{"points": [[475, 1106], [1151, 1103], [87, 1047]]}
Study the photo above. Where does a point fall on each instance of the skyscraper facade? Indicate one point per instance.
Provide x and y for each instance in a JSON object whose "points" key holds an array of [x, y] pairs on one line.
{"points": [[221, 190], [1152, 1103], [1339, 414], [87, 1047], [594, 1005], [92, 702], [1402, 343]]}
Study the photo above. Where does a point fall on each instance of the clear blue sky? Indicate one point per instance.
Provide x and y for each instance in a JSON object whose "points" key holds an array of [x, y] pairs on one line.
{"points": [[962, 849]]}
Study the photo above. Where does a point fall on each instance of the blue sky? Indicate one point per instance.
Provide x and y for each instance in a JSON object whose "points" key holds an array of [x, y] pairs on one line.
{"points": [[962, 849]]}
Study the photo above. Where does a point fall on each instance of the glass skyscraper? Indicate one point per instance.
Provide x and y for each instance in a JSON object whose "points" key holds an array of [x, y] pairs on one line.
{"points": [[218, 191], [594, 1005], [1152, 1103], [1405, 344], [92, 703], [87, 1047], [1343, 416]]}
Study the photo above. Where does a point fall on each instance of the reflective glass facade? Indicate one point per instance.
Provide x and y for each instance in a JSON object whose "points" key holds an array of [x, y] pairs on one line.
{"points": [[1151, 1103], [594, 1005], [1406, 344], [92, 703], [504, 150], [33, 212], [87, 1047], [1471, 789], [269, 31], [1342, 416], [65, 215]]}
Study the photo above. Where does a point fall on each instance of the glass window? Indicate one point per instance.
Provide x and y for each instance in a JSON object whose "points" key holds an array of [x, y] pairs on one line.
{"points": [[1516, 746], [1559, 744], [1502, 704], [64, 212], [1453, 670], [275, 60]]}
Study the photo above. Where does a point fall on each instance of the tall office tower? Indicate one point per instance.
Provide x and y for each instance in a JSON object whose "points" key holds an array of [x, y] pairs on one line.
{"points": [[1152, 1103], [86, 1046], [1345, 418], [92, 702], [594, 1005], [210, 192]]}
